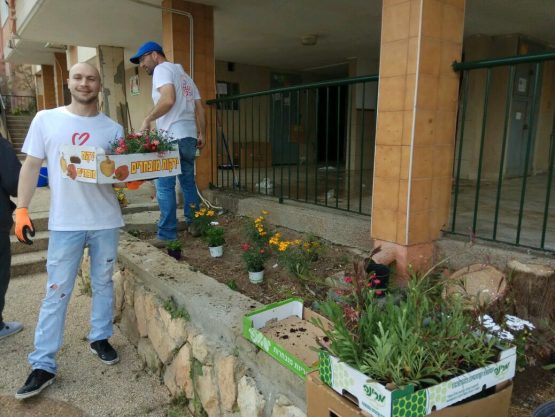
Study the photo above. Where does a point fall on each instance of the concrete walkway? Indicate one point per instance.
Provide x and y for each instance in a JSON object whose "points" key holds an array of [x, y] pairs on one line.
{"points": [[84, 386]]}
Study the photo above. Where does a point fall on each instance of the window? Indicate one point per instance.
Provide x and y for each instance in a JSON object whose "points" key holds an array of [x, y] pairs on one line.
{"points": [[227, 89]]}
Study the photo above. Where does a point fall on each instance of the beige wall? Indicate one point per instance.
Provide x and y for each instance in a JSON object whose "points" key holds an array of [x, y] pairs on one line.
{"points": [[141, 104], [545, 119]]}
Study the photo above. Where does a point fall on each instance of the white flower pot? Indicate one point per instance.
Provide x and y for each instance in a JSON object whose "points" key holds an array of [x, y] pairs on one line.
{"points": [[216, 251], [256, 277]]}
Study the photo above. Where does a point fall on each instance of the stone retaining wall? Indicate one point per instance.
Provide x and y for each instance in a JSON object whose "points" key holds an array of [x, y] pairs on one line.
{"points": [[189, 360]]}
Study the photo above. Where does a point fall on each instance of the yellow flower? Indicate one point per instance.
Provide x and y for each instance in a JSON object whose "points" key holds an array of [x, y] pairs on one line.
{"points": [[296, 242], [197, 214], [210, 213], [265, 212]]}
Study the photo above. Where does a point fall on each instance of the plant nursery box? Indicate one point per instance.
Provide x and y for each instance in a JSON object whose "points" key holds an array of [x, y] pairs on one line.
{"points": [[91, 164], [284, 331], [375, 399], [322, 401]]}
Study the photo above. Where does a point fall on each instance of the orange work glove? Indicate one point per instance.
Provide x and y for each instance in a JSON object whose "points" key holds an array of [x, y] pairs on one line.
{"points": [[24, 225], [134, 185]]}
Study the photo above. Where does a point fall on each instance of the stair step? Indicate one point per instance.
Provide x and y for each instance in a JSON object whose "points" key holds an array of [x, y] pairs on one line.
{"points": [[28, 263], [40, 243]]}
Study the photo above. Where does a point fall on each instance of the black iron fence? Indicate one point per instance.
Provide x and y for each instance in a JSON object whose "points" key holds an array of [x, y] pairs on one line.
{"points": [[503, 170], [312, 143], [20, 105]]}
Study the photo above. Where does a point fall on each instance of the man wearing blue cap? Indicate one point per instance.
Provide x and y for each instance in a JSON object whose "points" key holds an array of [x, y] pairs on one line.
{"points": [[179, 111]]}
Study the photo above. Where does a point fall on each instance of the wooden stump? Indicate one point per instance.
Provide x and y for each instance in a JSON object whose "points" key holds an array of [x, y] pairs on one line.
{"points": [[533, 289]]}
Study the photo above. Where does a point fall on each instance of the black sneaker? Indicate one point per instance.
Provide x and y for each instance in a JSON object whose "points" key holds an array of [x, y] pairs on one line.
{"points": [[105, 352], [38, 380]]}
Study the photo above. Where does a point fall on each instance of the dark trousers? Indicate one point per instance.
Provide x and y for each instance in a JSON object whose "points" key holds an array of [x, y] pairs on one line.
{"points": [[5, 261]]}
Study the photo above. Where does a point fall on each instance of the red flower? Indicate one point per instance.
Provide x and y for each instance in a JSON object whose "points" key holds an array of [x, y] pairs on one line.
{"points": [[376, 282], [261, 251], [379, 293], [245, 246], [348, 280]]}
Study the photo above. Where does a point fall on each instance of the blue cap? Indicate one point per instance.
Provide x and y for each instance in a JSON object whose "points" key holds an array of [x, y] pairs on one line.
{"points": [[146, 48]]}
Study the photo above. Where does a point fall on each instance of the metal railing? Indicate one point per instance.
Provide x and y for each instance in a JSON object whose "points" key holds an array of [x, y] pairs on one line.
{"points": [[20, 105], [504, 154], [312, 143]]}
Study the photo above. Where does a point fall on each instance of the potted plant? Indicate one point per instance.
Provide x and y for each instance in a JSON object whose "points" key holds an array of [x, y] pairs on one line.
{"points": [[202, 219], [255, 258], [215, 238], [174, 248]]}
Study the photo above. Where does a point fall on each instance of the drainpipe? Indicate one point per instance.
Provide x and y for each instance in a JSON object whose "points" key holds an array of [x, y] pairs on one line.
{"points": [[179, 12]]}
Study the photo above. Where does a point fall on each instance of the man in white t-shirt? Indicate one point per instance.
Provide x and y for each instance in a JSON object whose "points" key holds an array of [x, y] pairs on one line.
{"points": [[179, 111], [81, 215]]}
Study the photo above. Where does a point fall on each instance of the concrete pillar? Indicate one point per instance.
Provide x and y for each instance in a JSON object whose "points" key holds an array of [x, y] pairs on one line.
{"points": [[415, 134], [48, 87], [177, 44], [61, 74], [112, 73], [72, 55]]}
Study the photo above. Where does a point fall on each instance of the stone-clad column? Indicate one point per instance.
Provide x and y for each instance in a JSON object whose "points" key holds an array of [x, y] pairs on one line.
{"points": [[415, 134], [48, 87], [61, 74], [177, 44], [112, 73]]}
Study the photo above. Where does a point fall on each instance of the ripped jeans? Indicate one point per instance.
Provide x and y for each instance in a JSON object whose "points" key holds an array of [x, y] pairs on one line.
{"points": [[65, 250]]}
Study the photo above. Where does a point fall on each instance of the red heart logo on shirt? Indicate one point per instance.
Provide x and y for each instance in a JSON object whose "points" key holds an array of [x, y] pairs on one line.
{"points": [[81, 137]]}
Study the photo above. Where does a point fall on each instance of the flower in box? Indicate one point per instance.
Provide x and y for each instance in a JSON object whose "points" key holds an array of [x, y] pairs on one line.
{"points": [[142, 142]]}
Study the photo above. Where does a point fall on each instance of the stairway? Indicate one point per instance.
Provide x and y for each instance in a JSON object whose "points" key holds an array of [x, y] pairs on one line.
{"points": [[18, 127], [30, 259]]}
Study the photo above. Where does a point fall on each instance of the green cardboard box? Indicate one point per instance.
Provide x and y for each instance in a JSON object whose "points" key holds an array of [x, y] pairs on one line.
{"points": [[277, 347]]}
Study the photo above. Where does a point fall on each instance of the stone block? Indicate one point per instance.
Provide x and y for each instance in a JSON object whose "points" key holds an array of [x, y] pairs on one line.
{"points": [[119, 297], [140, 312], [177, 330], [225, 375], [163, 345], [177, 376], [200, 348], [128, 325], [284, 408], [149, 356], [207, 391], [129, 289], [249, 399]]}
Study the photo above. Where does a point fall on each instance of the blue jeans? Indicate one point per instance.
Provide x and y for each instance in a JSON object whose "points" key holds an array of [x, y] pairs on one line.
{"points": [[165, 191], [65, 250]]}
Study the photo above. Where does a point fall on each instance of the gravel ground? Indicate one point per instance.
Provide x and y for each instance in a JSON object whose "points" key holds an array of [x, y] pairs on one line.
{"points": [[124, 389]]}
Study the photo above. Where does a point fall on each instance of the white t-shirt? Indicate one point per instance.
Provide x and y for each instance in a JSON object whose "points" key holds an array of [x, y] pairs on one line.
{"points": [[74, 205], [179, 122]]}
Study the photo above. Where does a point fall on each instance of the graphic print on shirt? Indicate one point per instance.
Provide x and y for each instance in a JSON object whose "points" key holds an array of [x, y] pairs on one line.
{"points": [[186, 89], [81, 137]]}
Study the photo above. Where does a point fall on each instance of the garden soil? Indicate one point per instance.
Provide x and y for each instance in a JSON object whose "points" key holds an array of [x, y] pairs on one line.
{"points": [[532, 386], [297, 336]]}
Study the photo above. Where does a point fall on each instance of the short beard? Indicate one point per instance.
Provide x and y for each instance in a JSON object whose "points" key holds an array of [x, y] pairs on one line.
{"points": [[84, 101]]}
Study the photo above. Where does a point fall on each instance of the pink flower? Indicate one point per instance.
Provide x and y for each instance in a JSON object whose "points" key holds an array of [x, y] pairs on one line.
{"points": [[379, 293], [245, 246], [348, 280], [120, 150], [377, 281], [156, 142]]}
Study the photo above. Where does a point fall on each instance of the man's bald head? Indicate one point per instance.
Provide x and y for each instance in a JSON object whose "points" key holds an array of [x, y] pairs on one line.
{"points": [[84, 83]]}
